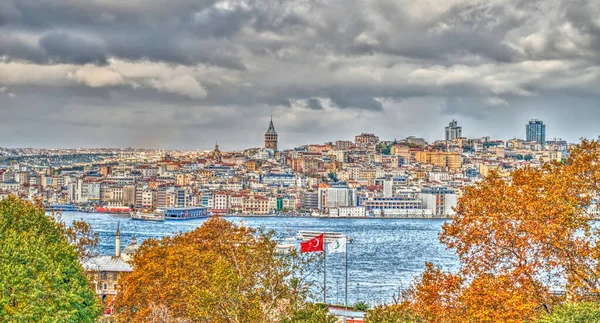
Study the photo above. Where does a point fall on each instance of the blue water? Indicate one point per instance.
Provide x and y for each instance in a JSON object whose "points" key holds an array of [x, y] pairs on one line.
{"points": [[385, 256]]}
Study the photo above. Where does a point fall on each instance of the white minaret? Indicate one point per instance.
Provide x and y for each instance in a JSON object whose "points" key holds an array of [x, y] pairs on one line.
{"points": [[118, 241]]}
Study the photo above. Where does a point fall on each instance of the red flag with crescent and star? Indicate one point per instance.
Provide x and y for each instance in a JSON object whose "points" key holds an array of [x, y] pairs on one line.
{"points": [[314, 244]]}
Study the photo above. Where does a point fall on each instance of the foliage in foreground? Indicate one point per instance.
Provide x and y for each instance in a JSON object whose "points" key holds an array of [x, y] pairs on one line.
{"points": [[515, 237], [220, 272], [41, 279], [310, 313], [396, 313], [573, 313]]}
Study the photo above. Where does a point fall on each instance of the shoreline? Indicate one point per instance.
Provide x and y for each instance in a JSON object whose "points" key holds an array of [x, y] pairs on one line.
{"points": [[123, 214]]}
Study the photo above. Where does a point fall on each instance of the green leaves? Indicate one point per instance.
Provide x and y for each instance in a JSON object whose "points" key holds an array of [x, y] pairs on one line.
{"points": [[573, 313], [41, 279]]}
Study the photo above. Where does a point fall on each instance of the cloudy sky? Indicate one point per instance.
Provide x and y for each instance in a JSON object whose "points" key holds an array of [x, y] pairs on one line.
{"points": [[183, 74]]}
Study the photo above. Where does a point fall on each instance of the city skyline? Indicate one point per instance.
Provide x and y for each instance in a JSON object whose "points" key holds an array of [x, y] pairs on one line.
{"points": [[276, 140], [182, 75]]}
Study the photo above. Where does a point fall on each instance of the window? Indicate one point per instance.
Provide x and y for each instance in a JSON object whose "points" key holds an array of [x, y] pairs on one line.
{"points": [[115, 276], [115, 286], [104, 286], [103, 275]]}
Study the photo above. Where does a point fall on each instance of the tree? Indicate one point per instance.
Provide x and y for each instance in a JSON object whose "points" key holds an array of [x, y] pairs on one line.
{"points": [[396, 313], [516, 238], [311, 313], [361, 306], [81, 235], [573, 313], [220, 272], [41, 279]]}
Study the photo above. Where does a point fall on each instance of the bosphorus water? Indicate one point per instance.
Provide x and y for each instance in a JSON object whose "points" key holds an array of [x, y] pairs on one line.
{"points": [[385, 256]]}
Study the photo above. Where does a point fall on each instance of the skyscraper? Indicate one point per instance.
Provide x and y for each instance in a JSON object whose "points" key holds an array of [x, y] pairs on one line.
{"points": [[536, 131], [453, 131], [271, 137]]}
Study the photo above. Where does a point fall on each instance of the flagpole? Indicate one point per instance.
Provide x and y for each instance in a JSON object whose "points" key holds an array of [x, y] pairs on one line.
{"points": [[324, 274], [346, 292]]}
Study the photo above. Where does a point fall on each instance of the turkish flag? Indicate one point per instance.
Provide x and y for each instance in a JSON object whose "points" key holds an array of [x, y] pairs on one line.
{"points": [[314, 244]]}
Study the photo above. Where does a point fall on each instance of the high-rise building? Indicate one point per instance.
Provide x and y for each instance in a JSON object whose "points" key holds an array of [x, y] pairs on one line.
{"points": [[453, 131], [536, 131], [271, 137]]}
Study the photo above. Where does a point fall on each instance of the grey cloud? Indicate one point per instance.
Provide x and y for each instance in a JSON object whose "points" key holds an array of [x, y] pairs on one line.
{"points": [[314, 104], [347, 100], [260, 57], [468, 108], [65, 48]]}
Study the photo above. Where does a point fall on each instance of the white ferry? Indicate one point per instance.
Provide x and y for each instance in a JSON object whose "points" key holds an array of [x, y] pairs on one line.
{"points": [[329, 236], [286, 246], [186, 213], [158, 215]]}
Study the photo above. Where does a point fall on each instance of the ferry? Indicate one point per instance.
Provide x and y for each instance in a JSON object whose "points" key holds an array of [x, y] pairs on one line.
{"points": [[62, 208], [286, 246], [186, 213], [111, 209], [158, 215], [329, 236]]}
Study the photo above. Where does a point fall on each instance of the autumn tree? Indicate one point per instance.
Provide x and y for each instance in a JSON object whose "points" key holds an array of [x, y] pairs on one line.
{"points": [[41, 278], [395, 313], [220, 272], [518, 238]]}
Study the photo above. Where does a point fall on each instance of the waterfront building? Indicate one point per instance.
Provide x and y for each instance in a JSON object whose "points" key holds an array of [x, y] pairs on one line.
{"points": [[440, 200], [347, 212], [336, 196], [255, 205], [535, 131], [391, 203], [271, 137], [309, 200], [453, 131], [105, 270]]}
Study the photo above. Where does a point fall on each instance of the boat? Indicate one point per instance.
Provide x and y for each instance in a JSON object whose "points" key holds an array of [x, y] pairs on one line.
{"points": [[158, 215], [62, 208], [286, 246], [329, 236], [186, 213], [112, 209]]}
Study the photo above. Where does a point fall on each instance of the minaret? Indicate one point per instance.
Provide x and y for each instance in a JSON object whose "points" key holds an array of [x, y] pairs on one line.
{"points": [[118, 241], [271, 137]]}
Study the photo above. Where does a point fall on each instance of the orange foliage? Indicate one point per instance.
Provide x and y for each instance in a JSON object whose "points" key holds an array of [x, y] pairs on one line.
{"points": [[219, 272], [515, 240]]}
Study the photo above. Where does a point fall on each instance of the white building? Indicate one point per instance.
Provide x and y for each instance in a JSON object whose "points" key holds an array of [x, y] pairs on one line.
{"points": [[339, 196], [387, 188], [439, 200], [347, 212]]}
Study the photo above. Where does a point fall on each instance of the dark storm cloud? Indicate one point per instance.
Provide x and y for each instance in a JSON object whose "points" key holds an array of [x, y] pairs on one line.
{"points": [[213, 64], [314, 104]]}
